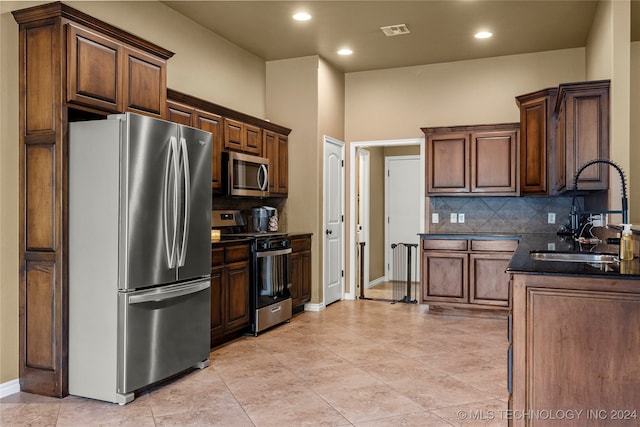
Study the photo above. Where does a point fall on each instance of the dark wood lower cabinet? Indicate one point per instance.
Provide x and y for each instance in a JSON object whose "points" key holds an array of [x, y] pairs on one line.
{"points": [[575, 345], [300, 271], [466, 273], [230, 292]]}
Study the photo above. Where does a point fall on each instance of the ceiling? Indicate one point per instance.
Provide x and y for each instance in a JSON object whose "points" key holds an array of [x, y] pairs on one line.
{"points": [[440, 31]]}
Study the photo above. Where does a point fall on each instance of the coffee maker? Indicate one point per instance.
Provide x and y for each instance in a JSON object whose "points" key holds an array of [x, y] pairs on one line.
{"points": [[264, 219]]}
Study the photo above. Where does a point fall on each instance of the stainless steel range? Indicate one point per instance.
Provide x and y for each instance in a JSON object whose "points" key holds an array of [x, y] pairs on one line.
{"points": [[270, 269]]}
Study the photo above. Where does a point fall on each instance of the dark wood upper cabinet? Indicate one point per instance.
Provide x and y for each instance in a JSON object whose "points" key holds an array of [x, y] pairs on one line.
{"points": [[238, 132], [239, 136], [560, 130], [472, 160], [109, 75], [582, 111], [71, 66], [276, 149], [536, 142]]}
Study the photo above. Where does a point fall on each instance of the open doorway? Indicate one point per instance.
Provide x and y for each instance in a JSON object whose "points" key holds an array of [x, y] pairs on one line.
{"points": [[372, 223]]}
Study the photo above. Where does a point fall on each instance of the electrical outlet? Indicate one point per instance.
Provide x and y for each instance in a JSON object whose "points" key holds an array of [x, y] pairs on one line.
{"points": [[596, 220], [435, 218], [453, 218], [551, 218], [461, 218]]}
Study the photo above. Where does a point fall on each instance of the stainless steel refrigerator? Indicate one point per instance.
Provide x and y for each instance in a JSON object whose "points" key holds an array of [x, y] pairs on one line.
{"points": [[139, 253]]}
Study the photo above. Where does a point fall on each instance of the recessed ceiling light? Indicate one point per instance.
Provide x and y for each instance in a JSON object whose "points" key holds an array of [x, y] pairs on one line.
{"points": [[345, 52], [483, 34], [302, 16]]}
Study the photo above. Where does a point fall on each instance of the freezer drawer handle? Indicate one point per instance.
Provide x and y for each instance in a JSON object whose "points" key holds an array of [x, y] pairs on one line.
{"points": [[169, 294]]}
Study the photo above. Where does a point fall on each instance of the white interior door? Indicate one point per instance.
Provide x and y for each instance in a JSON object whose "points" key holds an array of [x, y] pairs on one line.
{"points": [[333, 220], [402, 206]]}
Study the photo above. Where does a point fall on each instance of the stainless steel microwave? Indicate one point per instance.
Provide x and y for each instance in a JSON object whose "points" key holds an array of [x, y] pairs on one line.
{"points": [[246, 175]]}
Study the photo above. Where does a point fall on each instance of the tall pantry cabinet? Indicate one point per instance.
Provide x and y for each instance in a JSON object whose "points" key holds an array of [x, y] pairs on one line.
{"points": [[72, 67]]}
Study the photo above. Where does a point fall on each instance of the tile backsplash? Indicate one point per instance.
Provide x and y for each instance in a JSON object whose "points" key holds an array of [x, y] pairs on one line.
{"points": [[500, 214]]}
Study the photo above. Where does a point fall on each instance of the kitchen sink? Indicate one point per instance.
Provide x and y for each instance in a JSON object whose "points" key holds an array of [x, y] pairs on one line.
{"points": [[588, 257]]}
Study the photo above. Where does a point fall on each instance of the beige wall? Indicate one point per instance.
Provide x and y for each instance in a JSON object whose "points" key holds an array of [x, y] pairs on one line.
{"points": [[292, 99], [395, 103], [608, 57], [634, 174], [8, 196]]}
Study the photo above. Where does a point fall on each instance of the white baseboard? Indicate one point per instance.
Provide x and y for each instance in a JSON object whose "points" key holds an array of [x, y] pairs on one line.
{"points": [[314, 307], [376, 282], [348, 297], [9, 388]]}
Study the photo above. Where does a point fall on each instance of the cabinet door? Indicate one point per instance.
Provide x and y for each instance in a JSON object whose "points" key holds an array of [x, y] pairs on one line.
{"points": [[238, 296], [493, 162], [179, 113], [560, 177], [533, 146], [276, 149], [252, 140], [94, 72], [283, 165], [586, 133], [233, 134], [213, 123], [488, 280], [446, 277], [145, 83], [217, 298], [448, 163]]}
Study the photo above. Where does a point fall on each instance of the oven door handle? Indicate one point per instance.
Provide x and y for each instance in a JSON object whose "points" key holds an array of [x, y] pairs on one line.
{"points": [[273, 253]]}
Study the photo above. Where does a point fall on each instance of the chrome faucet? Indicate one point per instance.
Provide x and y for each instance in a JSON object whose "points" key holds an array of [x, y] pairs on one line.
{"points": [[574, 216]]}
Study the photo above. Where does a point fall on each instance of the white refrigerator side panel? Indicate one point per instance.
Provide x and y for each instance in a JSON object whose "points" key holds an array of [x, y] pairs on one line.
{"points": [[93, 258]]}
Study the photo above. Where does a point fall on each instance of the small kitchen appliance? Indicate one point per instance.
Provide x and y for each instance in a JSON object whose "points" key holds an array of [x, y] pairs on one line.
{"points": [[264, 219], [245, 175]]}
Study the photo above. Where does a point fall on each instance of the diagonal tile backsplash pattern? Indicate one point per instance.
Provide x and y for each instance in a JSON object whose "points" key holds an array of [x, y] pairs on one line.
{"points": [[501, 214]]}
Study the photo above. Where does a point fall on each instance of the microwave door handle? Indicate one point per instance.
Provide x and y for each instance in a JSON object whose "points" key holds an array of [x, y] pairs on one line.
{"points": [[264, 185], [187, 202]]}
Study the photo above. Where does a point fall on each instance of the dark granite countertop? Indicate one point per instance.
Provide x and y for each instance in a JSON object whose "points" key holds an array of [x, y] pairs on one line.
{"points": [[523, 264]]}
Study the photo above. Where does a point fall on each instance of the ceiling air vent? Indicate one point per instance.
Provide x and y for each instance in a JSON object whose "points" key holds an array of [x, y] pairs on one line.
{"points": [[395, 30]]}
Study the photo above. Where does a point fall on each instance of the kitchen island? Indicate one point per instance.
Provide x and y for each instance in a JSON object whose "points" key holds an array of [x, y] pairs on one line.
{"points": [[574, 334]]}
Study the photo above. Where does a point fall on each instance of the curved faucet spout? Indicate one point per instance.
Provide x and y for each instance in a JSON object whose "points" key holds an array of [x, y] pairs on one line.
{"points": [[625, 208]]}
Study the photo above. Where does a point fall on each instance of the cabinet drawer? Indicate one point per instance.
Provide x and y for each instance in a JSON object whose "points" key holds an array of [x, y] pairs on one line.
{"points": [[444, 244], [236, 253], [494, 245], [217, 257], [299, 245]]}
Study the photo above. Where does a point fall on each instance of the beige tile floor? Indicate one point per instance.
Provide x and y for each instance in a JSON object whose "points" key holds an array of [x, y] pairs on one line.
{"points": [[356, 363]]}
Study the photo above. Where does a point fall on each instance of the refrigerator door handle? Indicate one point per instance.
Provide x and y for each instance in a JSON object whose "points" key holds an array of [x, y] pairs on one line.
{"points": [[170, 207], [166, 294], [186, 177]]}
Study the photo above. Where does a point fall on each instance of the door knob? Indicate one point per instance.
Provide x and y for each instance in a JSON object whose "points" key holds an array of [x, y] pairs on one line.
{"points": [[327, 232]]}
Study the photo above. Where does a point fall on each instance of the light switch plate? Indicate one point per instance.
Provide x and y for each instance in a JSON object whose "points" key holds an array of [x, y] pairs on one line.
{"points": [[435, 218], [461, 218], [551, 218], [454, 218]]}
